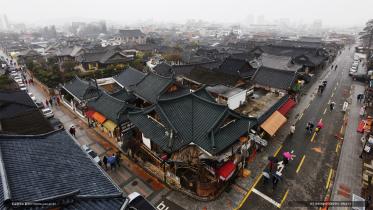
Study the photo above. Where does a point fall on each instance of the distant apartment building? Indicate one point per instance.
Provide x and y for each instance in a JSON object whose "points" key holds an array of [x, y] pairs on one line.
{"points": [[130, 37]]}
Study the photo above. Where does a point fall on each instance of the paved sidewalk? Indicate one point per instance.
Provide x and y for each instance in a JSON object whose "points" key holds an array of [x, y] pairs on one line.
{"points": [[348, 178]]}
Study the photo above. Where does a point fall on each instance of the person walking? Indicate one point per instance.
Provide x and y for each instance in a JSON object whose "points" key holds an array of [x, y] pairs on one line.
{"points": [[331, 105], [104, 160], [46, 103], [336, 66], [292, 129], [362, 111], [58, 100], [118, 159], [51, 102], [112, 161], [72, 130], [332, 66]]}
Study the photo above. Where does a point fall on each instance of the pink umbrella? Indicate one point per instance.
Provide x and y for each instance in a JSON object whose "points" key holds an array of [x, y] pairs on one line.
{"points": [[287, 155]]}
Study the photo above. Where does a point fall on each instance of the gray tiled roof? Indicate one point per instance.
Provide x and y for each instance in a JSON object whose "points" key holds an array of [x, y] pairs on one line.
{"points": [[14, 102], [193, 119], [131, 33], [112, 108], [152, 86], [274, 78], [129, 77], [278, 62], [81, 89], [41, 167], [163, 69]]}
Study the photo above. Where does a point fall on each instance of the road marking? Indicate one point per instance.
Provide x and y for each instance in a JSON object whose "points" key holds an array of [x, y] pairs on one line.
{"points": [[340, 131], [337, 148], [337, 83], [301, 163], [335, 88], [284, 198], [300, 116], [249, 192], [267, 198], [329, 177], [324, 111], [332, 95], [313, 136], [277, 151], [308, 106], [329, 101]]}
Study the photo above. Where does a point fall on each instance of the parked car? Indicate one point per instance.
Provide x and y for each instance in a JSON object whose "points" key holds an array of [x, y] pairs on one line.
{"points": [[47, 112], [32, 96], [22, 86], [91, 153], [137, 201], [39, 104], [56, 123]]}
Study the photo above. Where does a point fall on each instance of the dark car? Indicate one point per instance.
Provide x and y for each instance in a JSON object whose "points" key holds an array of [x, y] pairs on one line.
{"points": [[56, 124]]}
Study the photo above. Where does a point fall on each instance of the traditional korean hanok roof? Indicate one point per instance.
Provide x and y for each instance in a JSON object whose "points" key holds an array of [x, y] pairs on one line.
{"points": [[53, 169], [236, 67], [131, 33], [211, 77], [129, 77], [191, 119], [109, 106], [152, 86], [274, 78], [163, 69], [81, 89], [279, 62]]}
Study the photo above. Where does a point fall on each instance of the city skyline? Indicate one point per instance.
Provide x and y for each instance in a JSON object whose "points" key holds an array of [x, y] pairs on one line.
{"points": [[331, 13]]}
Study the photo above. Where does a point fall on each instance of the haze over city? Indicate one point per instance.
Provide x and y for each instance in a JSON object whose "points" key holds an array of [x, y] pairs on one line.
{"points": [[331, 13]]}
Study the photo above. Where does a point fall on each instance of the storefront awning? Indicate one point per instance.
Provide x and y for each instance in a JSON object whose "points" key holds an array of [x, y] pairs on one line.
{"points": [[285, 108], [226, 170], [89, 113], [273, 123], [110, 125], [99, 117]]}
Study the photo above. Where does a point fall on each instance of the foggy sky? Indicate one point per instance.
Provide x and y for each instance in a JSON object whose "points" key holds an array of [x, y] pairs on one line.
{"points": [[331, 12]]}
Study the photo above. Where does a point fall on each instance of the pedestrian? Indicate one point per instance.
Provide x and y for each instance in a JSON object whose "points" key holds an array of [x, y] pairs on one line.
{"points": [[292, 129], [58, 100], [358, 97], [46, 103], [332, 104], [51, 102], [311, 127], [32, 81], [266, 176], [72, 130], [112, 161], [118, 159], [332, 67], [362, 111], [336, 66], [104, 160]]}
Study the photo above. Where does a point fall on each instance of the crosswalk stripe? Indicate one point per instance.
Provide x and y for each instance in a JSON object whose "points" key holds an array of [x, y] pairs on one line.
{"points": [[275, 203]]}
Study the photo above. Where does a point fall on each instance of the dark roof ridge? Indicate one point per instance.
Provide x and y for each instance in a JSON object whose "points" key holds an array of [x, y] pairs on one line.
{"points": [[16, 136], [142, 111], [218, 120], [4, 181], [61, 196], [167, 119], [114, 195]]}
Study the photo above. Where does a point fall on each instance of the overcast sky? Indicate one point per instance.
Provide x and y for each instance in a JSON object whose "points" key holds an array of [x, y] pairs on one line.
{"points": [[331, 12]]}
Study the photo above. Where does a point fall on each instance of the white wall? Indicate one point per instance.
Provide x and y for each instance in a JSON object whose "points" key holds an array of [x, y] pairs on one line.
{"points": [[235, 101], [146, 141]]}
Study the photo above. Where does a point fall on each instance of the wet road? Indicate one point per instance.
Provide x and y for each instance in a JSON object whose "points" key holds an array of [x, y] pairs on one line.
{"points": [[308, 176]]}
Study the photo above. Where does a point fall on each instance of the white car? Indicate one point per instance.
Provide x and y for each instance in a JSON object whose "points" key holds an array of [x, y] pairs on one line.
{"points": [[48, 113], [32, 96], [22, 86], [91, 153], [137, 201]]}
